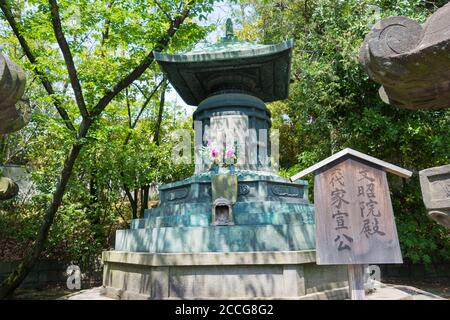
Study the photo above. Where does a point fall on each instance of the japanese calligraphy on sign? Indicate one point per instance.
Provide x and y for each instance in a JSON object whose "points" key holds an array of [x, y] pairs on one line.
{"points": [[354, 218], [339, 210], [368, 205]]}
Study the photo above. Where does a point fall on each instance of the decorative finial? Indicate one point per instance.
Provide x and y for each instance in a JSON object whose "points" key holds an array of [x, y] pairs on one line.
{"points": [[229, 29]]}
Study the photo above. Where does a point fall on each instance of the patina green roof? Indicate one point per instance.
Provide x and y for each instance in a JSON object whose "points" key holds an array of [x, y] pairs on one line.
{"points": [[224, 51], [231, 64]]}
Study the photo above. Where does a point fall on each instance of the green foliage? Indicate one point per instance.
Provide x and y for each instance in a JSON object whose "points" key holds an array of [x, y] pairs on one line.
{"points": [[107, 39], [333, 104]]}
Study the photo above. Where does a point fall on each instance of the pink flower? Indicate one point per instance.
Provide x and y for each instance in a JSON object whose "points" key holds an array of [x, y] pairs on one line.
{"points": [[230, 153], [214, 152]]}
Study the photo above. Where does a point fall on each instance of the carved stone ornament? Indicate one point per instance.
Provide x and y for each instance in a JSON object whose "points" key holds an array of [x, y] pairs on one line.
{"points": [[177, 194], [8, 188], [15, 113], [286, 191], [243, 189], [410, 61], [222, 212], [435, 184]]}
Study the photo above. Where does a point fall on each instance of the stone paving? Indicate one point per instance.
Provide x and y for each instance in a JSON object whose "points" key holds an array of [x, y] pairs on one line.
{"points": [[384, 292], [89, 294], [399, 292]]}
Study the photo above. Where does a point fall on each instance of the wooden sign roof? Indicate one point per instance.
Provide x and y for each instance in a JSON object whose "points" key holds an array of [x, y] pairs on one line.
{"points": [[386, 166]]}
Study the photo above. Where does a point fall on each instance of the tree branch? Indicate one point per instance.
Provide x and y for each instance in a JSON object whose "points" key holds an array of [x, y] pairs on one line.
{"points": [[105, 32], [119, 211], [44, 80], [144, 105], [128, 108], [145, 63], [13, 281], [71, 69], [160, 114], [140, 90], [163, 11]]}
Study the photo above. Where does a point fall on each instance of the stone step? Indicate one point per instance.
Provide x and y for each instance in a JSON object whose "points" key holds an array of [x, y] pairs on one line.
{"points": [[193, 220], [239, 207], [237, 238], [240, 218]]}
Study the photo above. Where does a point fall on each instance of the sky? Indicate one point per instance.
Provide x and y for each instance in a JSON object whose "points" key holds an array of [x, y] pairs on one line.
{"points": [[222, 11]]}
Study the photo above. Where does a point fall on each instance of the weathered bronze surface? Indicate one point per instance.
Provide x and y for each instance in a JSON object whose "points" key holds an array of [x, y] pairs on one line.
{"points": [[231, 64]]}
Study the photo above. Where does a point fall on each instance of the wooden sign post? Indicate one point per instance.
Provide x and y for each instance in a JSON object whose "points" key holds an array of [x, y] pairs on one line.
{"points": [[355, 223]]}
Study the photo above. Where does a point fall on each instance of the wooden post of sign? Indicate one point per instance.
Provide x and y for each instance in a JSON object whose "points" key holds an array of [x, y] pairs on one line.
{"points": [[355, 222], [356, 281]]}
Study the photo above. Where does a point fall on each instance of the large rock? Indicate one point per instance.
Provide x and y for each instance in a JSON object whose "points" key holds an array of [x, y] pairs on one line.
{"points": [[12, 82], [410, 61], [14, 112], [8, 188], [15, 117]]}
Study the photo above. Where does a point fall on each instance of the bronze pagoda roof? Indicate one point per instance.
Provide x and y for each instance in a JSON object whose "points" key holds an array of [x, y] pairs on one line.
{"points": [[230, 65]]}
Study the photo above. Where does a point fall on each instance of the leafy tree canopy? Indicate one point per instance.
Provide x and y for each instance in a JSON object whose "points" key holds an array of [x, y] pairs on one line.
{"points": [[333, 104]]}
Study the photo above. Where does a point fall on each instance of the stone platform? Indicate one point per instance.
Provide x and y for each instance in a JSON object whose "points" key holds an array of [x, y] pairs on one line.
{"points": [[270, 214], [236, 275], [177, 252]]}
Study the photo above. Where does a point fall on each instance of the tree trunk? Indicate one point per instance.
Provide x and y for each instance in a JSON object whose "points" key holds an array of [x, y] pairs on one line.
{"points": [[3, 148], [334, 139], [136, 204], [15, 279], [144, 199], [133, 202], [162, 101], [93, 208], [93, 194]]}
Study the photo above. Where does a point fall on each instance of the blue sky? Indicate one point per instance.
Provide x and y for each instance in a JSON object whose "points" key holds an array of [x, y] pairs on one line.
{"points": [[222, 11]]}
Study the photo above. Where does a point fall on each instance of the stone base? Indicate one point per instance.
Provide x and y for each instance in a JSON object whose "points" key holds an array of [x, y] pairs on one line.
{"points": [[234, 275]]}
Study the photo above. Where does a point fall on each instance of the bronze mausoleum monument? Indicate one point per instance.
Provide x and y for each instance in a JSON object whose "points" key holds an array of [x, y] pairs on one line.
{"points": [[238, 231]]}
